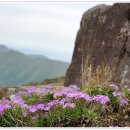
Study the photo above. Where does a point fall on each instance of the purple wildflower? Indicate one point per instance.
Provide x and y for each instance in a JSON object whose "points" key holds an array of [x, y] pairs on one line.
{"points": [[88, 98], [32, 108], [123, 102], [7, 106], [71, 95], [77, 95], [48, 87], [54, 102], [3, 107], [63, 100], [40, 106], [24, 105], [46, 108], [72, 105], [17, 100], [119, 93], [101, 98], [60, 93], [4, 100], [114, 86], [75, 87], [31, 90]]}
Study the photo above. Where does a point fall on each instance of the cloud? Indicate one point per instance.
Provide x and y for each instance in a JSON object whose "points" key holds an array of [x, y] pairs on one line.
{"points": [[50, 27]]}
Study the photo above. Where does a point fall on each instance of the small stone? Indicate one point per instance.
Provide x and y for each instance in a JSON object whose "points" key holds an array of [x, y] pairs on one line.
{"points": [[126, 116]]}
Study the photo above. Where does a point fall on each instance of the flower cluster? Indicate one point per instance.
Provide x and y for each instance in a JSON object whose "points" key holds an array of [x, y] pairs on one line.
{"points": [[31, 90], [101, 98], [77, 95], [4, 104], [18, 100], [116, 87], [61, 93], [48, 87], [75, 87], [123, 102], [118, 93], [65, 98]]}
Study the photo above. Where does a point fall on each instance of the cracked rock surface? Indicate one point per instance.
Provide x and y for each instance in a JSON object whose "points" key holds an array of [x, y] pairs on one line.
{"points": [[102, 47]]}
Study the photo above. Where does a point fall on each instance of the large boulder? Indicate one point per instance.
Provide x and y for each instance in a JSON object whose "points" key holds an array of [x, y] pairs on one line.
{"points": [[102, 47]]}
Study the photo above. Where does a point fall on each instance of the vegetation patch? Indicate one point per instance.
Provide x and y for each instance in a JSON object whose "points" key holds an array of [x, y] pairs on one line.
{"points": [[91, 106]]}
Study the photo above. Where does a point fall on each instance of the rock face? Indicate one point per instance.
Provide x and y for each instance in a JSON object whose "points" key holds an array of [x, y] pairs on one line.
{"points": [[102, 47]]}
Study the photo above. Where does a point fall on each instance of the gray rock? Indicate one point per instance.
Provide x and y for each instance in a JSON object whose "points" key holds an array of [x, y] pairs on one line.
{"points": [[102, 47]]}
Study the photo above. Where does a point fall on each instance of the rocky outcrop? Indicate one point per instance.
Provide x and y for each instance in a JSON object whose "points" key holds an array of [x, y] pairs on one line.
{"points": [[102, 47]]}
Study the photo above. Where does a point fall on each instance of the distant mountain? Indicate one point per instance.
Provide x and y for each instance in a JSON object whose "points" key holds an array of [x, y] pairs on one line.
{"points": [[4, 48], [17, 68], [37, 56]]}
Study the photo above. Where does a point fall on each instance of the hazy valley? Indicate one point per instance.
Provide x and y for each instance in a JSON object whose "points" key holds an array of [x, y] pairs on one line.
{"points": [[17, 68]]}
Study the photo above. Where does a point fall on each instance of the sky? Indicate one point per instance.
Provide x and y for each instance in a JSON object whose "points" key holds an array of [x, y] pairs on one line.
{"points": [[45, 28]]}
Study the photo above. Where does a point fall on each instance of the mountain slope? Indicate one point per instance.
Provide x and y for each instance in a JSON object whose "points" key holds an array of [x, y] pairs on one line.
{"points": [[17, 68]]}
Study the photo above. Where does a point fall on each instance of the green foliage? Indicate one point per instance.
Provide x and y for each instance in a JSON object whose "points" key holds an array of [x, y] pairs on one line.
{"points": [[41, 122], [12, 118], [35, 98], [101, 90], [71, 117], [126, 92]]}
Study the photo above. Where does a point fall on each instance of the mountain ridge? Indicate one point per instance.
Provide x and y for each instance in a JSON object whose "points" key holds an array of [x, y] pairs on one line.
{"points": [[17, 68]]}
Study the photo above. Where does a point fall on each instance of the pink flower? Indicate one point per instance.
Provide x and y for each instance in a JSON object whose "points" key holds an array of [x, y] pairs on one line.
{"points": [[47, 108], [101, 98], [40, 106], [3, 107], [48, 87], [54, 102], [17, 100], [60, 93], [75, 87], [31, 90], [114, 86], [72, 105], [119, 93], [32, 108], [123, 102]]}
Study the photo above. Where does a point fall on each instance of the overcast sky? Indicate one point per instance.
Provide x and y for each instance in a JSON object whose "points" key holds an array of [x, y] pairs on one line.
{"points": [[47, 28]]}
